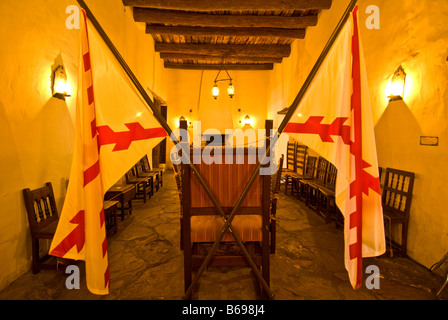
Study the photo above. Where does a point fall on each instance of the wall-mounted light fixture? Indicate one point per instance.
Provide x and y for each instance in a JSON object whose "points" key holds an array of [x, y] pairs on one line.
{"points": [[59, 86], [247, 120], [397, 85], [230, 88], [182, 118]]}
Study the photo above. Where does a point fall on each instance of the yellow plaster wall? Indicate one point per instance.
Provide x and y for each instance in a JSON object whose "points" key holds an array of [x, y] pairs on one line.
{"points": [[414, 34], [36, 130]]}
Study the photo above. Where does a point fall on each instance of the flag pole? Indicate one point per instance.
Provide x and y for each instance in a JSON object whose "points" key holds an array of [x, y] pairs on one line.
{"points": [[320, 60]]}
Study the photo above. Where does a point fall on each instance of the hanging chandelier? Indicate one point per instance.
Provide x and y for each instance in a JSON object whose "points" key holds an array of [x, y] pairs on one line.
{"points": [[230, 88]]}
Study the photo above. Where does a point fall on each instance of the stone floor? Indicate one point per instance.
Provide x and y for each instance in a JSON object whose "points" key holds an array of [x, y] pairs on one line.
{"points": [[147, 264]]}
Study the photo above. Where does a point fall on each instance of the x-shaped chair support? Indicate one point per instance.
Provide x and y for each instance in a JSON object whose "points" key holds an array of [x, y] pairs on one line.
{"points": [[227, 226]]}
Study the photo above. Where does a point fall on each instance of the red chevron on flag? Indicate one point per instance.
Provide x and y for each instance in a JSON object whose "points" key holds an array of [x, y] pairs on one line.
{"points": [[123, 140], [75, 238], [325, 131]]}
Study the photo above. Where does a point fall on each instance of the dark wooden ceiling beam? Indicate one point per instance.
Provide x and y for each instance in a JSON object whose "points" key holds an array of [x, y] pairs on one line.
{"points": [[241, 59], [171, 17], [229, 32], [226, 50], [231, 5], [198, 66]]}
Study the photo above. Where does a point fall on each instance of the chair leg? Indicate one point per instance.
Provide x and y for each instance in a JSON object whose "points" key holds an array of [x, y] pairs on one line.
{"points": [[443, 287], [286, 185], [187, 266], [35, 255], [122, 210], [391, 254], [273, 235], [404, 239], [265, 267]]}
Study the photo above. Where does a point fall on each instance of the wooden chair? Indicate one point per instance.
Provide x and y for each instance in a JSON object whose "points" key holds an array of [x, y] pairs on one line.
{"points": [[43, 220], [299, 165], [147, 168], [152, 177], [298, 181], [290, 163], [202, 224], [326, 195], [290, 157], [312, 186], [396, 199], [143, 188], [275, 188]]}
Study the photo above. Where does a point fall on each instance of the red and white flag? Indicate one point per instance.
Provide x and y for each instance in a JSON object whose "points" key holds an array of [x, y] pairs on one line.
{"points": [[335, 120], [114, 130]]}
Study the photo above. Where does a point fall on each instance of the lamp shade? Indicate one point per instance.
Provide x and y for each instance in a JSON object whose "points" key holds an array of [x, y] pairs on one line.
{"points": [[60, 86], [231, 90]]}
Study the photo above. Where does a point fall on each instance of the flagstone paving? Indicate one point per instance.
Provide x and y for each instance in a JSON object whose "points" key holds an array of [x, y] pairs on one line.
{"points": [[146, 263]]}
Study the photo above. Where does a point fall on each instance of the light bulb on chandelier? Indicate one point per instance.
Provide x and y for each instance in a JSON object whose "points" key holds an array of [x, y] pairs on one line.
{"points": [[230, 88]]}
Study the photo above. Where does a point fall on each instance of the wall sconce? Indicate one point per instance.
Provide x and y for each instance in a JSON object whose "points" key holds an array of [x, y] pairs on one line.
{"points": [[59, 83], [189, 123], [230, 89], [397, 85], [247, 120]]}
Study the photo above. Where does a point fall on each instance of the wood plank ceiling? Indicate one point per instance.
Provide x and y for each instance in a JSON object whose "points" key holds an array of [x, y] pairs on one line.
{"points": [[242, 34]]}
